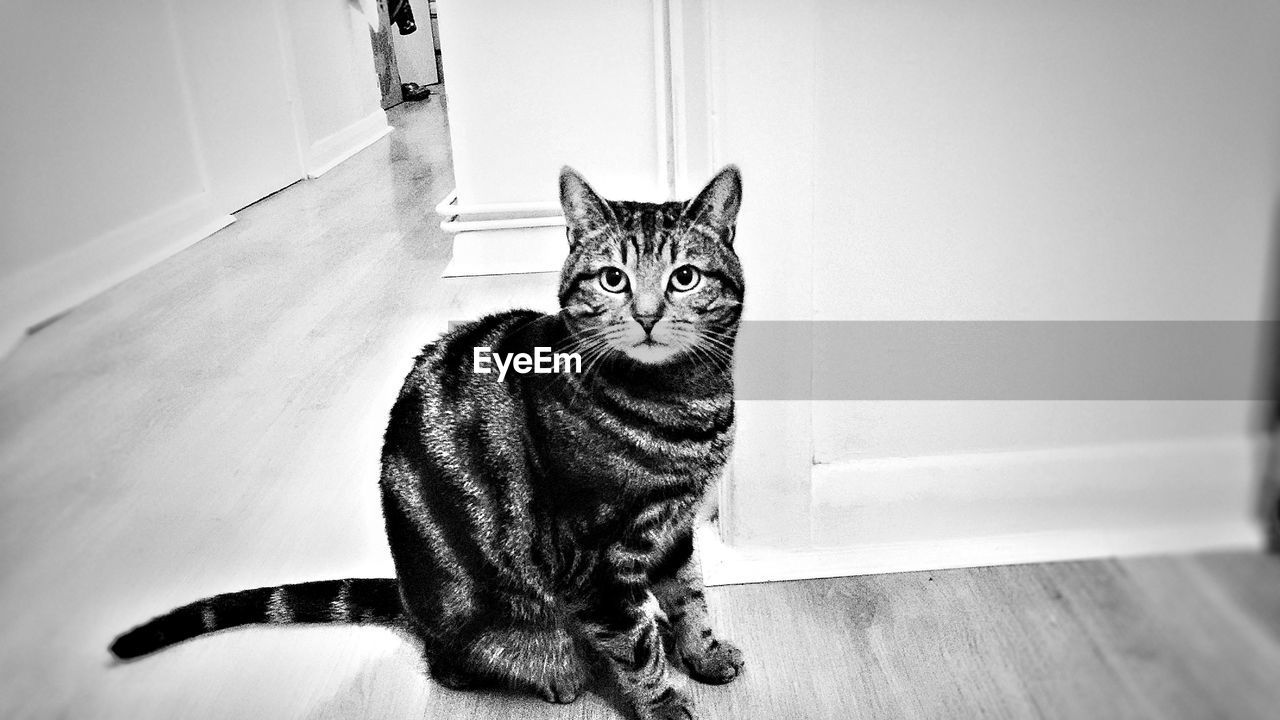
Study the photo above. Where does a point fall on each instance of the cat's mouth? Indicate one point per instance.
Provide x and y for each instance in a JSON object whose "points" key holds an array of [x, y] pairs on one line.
{"points": [[650, 351]]}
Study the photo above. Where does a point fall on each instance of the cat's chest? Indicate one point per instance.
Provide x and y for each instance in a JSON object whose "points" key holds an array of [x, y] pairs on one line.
{"points": [[633, 442]]}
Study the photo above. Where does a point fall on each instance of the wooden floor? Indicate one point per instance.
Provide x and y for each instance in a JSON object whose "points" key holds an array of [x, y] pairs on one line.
{"points": [[214, 424]]}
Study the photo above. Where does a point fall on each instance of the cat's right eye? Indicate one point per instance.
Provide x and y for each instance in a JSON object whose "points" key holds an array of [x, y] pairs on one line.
{"points": [[613, 280]]}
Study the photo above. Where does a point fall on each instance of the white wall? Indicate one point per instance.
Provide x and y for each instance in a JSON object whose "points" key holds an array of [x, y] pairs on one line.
{"points": [[998, 160], [235, 69], [81, 98], [131, 130], [533, 87], [930, 160], [1046, 161], [416, 53], [336, 84]]}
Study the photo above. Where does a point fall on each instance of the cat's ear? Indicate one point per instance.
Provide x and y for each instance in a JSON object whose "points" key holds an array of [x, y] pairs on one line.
{"points": [[719, 201], [584, 209]]}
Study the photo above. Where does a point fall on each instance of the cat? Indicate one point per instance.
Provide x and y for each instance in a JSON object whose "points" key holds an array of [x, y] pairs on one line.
{"points": [[541, 525]]}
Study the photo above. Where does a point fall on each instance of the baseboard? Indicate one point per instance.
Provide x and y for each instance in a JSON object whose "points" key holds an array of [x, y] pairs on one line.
{"points": [[329, 152], [724, 565], [503, 238], [62, 282], [449, 207], [509, 251], [909, 514]]}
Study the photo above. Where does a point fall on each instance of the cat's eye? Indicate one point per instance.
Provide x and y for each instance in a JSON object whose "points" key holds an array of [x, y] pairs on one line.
{"points": [[685, 278], [613, 280]]}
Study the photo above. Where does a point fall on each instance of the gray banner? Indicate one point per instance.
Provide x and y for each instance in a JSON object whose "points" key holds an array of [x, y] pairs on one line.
{"points": [[1007, 360]]}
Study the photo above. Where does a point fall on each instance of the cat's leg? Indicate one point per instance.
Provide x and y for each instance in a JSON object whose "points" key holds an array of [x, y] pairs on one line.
{"points": [[536, 654], [622, 624], [477, 630], [678, 587], [539, 658], [555, 671], [447, 669]]}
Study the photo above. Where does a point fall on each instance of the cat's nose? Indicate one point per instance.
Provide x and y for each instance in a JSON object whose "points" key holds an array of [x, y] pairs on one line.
{"points": [[647, 322]]}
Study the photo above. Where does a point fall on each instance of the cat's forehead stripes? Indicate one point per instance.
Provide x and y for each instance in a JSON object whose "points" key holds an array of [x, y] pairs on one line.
{"points": [[649, 231], [646, 230]]}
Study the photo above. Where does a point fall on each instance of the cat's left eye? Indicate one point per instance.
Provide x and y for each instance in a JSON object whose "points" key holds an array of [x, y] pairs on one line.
{"points": [[685, 278], [613, 280]]}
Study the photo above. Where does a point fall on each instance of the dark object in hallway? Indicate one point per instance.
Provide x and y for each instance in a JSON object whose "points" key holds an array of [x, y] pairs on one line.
{"points": [[402, 16], [413, 91], [384, 59]]}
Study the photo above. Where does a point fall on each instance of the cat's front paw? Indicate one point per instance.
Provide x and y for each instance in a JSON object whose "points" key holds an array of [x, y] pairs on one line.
{"points": [[720, 662], [670, 705]]}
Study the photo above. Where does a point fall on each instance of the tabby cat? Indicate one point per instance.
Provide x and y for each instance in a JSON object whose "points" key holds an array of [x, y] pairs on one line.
{"points": [[541, 525]]}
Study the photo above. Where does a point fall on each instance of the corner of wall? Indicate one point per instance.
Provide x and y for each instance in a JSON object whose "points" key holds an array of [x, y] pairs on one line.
{"points": [[328, 152], [68, 279]]}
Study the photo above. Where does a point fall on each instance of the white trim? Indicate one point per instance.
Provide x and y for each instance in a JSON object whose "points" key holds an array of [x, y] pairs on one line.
{"points": [[293, 92], [531, 214], [907, 514], [711, 154], [327, 153], [724, 565], [692, 103], [454, 226], [508, 251], [188, 98], [449, 207], [714, 68], [664, 119], [768, 500], [58, 284], [676, 68]]}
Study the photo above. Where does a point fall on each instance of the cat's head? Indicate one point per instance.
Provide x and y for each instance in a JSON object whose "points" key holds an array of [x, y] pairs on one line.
{"points": [[655, 282]]}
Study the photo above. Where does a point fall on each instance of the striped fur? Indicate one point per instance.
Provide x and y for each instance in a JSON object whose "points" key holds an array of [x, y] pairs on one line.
{"points": [[322, 601], [541, 526]]}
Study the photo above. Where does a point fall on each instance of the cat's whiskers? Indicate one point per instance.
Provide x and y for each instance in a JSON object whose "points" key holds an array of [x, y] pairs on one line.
{"points": [[575, 341], [722, 341], [709, 344], [592, 348], [722, 336], [708, 351], [720, 357], [594, 338], [600, 354], [700, 354], [725, 341]]}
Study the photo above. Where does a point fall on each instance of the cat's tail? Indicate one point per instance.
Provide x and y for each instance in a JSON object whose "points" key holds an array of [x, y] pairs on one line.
{"points": [[358, 600]]}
